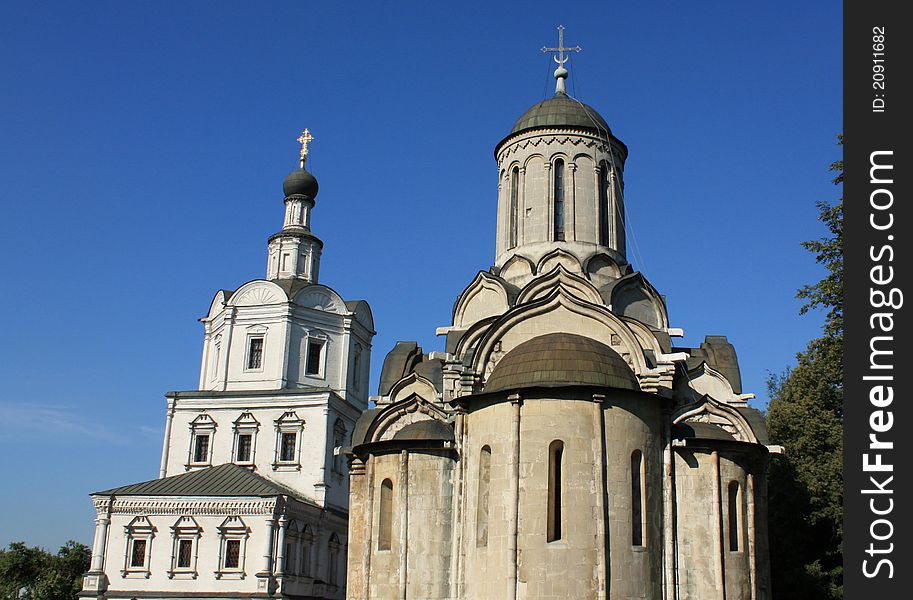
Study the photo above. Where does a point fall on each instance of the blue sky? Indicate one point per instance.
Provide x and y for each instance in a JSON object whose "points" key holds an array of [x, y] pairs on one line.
{"points": [[145, 143]]}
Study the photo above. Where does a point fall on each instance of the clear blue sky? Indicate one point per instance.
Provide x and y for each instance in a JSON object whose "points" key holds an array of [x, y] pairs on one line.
{"points": [[144, 146]]}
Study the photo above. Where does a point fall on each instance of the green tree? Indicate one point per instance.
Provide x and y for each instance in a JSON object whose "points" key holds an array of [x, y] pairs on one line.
{"points": [[805, 415], [35, 574]]}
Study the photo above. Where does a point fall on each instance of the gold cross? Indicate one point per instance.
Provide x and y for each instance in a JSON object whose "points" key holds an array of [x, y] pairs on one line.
{"points": [[304, 139]]}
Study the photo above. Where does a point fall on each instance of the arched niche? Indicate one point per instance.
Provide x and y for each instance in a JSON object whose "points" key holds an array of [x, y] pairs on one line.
{"points": [[485, 297]]}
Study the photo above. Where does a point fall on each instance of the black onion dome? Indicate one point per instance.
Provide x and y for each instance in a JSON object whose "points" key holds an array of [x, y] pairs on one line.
{"points": [[560, 359], [561, 111], [300, 183]]}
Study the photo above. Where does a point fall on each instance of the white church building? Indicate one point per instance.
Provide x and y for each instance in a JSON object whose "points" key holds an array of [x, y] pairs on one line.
{"points": [[252, 496]]}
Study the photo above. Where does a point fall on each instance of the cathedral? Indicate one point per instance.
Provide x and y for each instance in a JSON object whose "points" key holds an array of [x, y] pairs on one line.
{"points": [[561, 446], [252, 493]]}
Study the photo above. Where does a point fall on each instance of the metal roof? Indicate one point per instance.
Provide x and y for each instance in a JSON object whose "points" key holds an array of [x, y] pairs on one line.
{"points": [[224, 480], [561, 359], [561, 111]]}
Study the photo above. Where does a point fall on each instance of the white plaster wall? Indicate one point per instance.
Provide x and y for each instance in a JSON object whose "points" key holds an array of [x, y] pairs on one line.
{"points": [[207, 556], [314, 447]]}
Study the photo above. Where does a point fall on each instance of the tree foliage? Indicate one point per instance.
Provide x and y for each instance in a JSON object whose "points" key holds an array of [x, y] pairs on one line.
{"points": [[36, 574], [805, 415]]}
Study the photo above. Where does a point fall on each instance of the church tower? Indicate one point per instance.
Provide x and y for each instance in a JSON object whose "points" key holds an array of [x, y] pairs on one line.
{"points": [[561, 446], [252, 496]]}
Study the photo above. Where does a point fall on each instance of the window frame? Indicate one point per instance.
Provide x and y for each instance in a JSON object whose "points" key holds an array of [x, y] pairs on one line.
{"points": [[232, 529], [202, 425], [555, 512], [140, 529], [288, 423], [735, 517], [185, 529], [320, 373], [245, 424], [385, 516], [638, 497], [251, 337], [559, 175]]}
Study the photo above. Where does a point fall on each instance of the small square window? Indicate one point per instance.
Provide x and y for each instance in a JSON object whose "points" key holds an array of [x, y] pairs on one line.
{"points": [[255, 353], [232, 554], [138, 554], [287, 447], [185, 552], [315, 351], [201, 448], [245, 447]]}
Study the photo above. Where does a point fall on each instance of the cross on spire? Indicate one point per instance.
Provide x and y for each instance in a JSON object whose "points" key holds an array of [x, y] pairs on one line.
{"points": [[561, 72], [304, 139], [561, 49]]}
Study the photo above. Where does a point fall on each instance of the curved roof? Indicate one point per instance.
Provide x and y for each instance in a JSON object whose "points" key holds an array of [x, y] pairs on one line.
{"points": [[559, 359], [561, 111], [300, 183], [425, 430]]}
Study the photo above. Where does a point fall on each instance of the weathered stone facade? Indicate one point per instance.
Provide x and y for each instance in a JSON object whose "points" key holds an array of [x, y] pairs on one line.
{"points": [[561, 447]]}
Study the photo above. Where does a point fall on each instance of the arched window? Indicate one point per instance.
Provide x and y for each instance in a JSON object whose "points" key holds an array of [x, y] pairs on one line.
{"points": [[514, 207], [603, 199], [735, 515], [555, 459], [559, 200], [385, 526], [482, 505], [333, 563], [637, 498]]}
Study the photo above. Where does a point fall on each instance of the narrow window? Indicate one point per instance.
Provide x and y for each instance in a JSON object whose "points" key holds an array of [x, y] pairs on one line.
{"points": [[185, 551], [482, 507], [287, 447], [315, 349], [201, 448], [306, 553], [637, 498], [555, 456], [232, 554], [356, 368], [514, 207], [255, 353], [735, 509], [245, 446], [285, 256], [603, 207], [385, 528], [559, 200], [138, 554], [333, 567]]}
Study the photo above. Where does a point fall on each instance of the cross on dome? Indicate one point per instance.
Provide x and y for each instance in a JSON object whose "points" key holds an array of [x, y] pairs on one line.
{"points": [[304, 139], [561, 72]]}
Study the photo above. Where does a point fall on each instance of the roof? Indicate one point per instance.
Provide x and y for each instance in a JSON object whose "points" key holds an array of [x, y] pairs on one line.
{"points": [[561, 111], [425, 430], [224, 480], [707, 431], [561, 359]]}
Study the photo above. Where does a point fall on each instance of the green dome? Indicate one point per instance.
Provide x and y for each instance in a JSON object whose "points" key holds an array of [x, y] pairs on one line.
{"points": [[559, 359], [300, 183], [561, 111]]}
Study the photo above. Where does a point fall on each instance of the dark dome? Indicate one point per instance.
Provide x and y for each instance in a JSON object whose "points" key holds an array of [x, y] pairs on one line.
{"points": [[425, 430], [561, 111], [561, 359], [300, 182]]}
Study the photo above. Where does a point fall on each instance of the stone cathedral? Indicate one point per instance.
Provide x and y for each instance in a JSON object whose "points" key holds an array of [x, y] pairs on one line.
{"points": [[562, 446]]}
